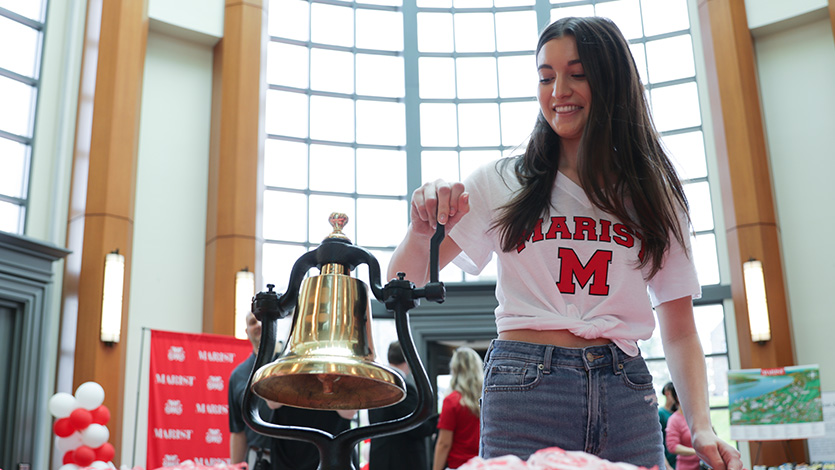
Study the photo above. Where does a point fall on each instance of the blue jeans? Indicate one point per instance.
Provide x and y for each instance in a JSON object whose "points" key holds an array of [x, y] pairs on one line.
{"points": [[596, 399]]}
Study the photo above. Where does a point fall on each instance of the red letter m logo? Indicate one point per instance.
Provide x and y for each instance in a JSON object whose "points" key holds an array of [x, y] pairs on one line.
{"points": [[571, 268]]}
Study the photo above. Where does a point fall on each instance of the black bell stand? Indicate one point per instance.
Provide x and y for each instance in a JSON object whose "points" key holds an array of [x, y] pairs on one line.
{"points": [[399, 296]]}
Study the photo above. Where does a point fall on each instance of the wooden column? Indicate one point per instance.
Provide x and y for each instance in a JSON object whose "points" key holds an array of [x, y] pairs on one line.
{"points": [[233, 234], [832, 15], [102, 194], [750, 220]]}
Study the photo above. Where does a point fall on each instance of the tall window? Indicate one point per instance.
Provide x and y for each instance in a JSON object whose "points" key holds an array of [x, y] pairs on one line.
{"points": [[336, 126], [368, 100], [477, 85], [21, 39]]}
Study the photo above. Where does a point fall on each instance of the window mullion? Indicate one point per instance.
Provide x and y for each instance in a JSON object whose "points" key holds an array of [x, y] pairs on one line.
{"points": [[412, 97]]}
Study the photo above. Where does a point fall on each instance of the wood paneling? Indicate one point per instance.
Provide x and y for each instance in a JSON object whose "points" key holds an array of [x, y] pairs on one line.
{"points": [[102, 195], [232, 232], [832, 15], [750, 220]]}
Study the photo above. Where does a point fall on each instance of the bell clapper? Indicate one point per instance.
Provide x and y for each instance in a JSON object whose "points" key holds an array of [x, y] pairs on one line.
{"points": [[328, 381]]}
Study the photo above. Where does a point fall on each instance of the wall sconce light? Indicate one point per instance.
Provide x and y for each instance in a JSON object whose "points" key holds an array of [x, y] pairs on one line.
{"points": [[111, 299], [244, 290], [752, 272]]}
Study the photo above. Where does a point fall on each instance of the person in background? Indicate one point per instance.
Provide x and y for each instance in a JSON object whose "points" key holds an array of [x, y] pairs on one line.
{"points": [[664, 413], [585, 223], [405, 450], [458, 425], [246, 445], [678, 439], [287, 454]]}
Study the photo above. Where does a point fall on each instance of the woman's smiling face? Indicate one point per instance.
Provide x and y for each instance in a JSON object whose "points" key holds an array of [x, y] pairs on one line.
{"points": [[564, 93]]}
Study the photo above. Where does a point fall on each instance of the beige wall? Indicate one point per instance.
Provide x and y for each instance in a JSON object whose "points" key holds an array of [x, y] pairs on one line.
{"points": [[796, 67], [170, 215]]}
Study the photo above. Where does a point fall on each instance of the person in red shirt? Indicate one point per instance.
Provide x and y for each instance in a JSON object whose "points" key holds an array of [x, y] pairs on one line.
{"points": [[678, 438], [458, 425]]}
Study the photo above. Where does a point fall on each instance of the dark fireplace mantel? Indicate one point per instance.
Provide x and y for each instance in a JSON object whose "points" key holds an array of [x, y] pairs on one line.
{"points": [[26, 292]]}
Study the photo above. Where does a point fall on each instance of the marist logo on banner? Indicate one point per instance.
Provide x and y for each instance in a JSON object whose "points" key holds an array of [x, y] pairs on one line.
{"points": [[173, 407], [214, 382], [187, 420], [176, 353], [213, 436]]}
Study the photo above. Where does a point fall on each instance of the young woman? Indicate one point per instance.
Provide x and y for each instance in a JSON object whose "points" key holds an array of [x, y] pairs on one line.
{"points": [[678, 439], [664, 412], [458, 425], [584, 223]]}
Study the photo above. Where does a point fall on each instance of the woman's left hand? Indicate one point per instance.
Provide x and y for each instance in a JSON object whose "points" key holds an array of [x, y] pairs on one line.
{"points": [[717, 453]]}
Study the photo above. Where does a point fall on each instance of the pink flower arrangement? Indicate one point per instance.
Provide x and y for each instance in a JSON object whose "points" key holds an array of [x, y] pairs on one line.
{"points": [[552, 458]]}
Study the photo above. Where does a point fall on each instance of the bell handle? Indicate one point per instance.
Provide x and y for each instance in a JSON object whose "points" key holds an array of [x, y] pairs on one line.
{"points": [[434, 248]]}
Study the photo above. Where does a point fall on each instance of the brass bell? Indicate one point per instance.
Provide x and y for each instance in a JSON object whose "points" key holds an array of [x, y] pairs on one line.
{"points": [[329, 359]]}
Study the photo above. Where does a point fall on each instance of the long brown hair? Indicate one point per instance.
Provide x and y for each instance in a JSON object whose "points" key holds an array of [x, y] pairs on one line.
{"points": [[622, 167]]}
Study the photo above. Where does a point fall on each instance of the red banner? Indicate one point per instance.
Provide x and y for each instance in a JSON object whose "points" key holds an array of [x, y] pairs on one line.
{"points": [[188, 410]]}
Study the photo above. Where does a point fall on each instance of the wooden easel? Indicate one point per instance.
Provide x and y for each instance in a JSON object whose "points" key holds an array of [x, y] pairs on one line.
{"points": [[786, 446]]}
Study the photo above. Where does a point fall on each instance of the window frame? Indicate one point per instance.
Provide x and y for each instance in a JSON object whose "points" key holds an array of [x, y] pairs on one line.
{"points": [[27, 141]]}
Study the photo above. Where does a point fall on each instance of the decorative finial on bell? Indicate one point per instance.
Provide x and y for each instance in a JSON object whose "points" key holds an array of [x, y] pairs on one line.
{"points": [[338, 220]]}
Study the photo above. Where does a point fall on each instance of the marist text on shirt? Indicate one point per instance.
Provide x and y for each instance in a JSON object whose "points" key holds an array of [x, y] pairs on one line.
{"points": [[594, 272], [585, 228]]}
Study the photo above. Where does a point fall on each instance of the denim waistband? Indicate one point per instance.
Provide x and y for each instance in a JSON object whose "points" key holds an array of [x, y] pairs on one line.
{"points": [[590, 357]]}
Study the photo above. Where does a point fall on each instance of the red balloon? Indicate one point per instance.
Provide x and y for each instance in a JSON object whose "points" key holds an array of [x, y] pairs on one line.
{"points": [[69, 457], [101, 415], [105, 452], [84, 456], [63, 427], [81, 418]]}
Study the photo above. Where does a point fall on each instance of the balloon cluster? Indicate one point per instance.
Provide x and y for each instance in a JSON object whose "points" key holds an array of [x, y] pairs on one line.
{"points": [[80, 427]]}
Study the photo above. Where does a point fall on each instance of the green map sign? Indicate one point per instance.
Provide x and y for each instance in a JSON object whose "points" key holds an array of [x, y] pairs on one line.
{"points": [[775, 404]]}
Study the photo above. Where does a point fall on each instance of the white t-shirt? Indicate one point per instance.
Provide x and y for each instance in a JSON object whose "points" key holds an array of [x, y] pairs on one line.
{"points": [[579, 269]]}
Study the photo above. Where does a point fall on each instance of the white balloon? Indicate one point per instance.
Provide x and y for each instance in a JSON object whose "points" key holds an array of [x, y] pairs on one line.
{"points": [[89, 395], [62, 404], [70, 466], [72, 442], [95, 435], [100, 465]]}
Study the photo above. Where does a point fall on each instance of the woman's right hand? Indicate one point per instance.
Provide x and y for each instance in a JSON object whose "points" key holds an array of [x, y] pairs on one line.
{"points": [[436, 202], [433, 202]]}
